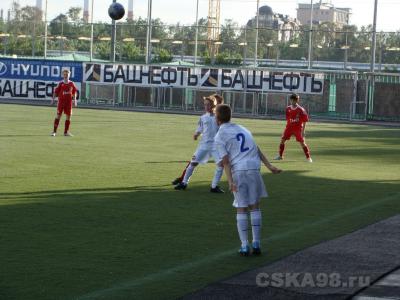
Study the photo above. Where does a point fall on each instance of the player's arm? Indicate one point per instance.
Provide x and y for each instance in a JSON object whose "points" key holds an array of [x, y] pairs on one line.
{"points": [[266, 162], [228, 172], [74, 91], [53, 98], [304, 119], [55, 93], [199, 130], [224, 161]]}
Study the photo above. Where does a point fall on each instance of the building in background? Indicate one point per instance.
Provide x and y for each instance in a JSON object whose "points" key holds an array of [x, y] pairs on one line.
{"points": [[86, 11], [323, 12], [130, 10], [39, 10], [285, 25]]}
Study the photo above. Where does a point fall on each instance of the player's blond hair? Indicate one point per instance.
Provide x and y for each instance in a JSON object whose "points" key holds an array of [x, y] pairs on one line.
{"points": [[218, 98], [212, 101], [294, 97]]}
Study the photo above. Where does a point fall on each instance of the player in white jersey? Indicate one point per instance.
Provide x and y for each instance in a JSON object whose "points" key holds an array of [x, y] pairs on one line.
{"points": [[207, 128], [218, 99], [242, 158]]}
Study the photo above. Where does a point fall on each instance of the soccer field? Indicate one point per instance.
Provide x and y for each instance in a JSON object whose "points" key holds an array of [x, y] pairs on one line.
{"points": [[95, 216]]}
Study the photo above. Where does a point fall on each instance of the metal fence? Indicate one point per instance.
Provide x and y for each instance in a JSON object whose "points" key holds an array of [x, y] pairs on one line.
{"points": [[346, 96]]}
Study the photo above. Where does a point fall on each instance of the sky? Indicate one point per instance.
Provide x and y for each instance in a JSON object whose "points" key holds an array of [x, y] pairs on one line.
{"points": [[240, 11]]}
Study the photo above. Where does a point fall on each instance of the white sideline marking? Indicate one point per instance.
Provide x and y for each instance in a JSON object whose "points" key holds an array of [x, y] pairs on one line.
{"points": [[371, 298], [211, 258], [390, 280]]}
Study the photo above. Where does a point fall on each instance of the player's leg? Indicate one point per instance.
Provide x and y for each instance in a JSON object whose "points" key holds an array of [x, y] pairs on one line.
{"points": [[68, 113], [281, 148], [257, 191], [242, 227], [56, 122], [180, 178], [306, 149], [67, 125], [60, 108], [219, 169], [200, 156], [241, 204], [255, 218], [189, 172]]}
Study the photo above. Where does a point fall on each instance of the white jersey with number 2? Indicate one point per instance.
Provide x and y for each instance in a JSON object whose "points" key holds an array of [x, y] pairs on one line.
{"points": [[238, 143]]}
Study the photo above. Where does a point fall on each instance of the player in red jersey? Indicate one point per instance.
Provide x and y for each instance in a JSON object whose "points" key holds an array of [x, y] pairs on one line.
{"points": [[218, 100], [66, 93], [296, 117]]}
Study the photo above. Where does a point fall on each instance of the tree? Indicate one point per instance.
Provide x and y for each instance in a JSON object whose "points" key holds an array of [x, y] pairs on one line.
{"points": [[74, 14], [162, 56], [132, 53]]}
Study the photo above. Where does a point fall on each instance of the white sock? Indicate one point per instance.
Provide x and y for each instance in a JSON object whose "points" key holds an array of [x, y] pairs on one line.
{"points": [[241, 219], [189, 172], [255, 216], [217, 176]]}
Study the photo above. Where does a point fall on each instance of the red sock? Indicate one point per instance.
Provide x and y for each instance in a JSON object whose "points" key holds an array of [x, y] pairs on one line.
{"points": [[56, 122], [281, 149], [184, 171], [67, 123], [306, 151]]}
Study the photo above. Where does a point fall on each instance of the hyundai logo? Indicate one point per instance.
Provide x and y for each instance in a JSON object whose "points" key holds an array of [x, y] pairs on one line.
{"points": [[3, 68]]}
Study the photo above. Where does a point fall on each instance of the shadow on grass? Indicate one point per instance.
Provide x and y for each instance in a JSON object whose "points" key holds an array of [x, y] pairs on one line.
{"points": [[366, 152], [168, 162], [390, 136], [21, 135], [154, 242]]}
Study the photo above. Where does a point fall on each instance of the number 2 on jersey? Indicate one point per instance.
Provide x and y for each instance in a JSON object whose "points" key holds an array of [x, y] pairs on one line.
{"points": [[241, 137]]}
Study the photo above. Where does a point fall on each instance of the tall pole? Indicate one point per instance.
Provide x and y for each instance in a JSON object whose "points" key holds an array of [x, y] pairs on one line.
{"points": [[197, 33], [91, 32], [45, 30], [245, 46], [148, 38], [372, 69], [373, 46], [256, 42], [62, 39], [310, 35], [33, 37], [113, 37], [346, 53]]}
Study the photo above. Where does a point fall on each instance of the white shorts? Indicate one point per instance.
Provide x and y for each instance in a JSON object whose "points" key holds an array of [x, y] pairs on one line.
{"points": [[250, 187], [203, 154]]}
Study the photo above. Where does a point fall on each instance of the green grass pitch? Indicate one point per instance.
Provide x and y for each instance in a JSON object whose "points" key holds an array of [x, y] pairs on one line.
{"points": [[95, 217]]}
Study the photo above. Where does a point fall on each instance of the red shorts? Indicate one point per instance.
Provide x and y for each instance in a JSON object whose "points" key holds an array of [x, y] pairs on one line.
{"points": [[64, 106], [297, 132]]}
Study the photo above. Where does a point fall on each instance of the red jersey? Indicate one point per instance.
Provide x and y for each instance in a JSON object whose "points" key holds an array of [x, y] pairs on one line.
{"points": [[296, 116], [65, 91]]}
